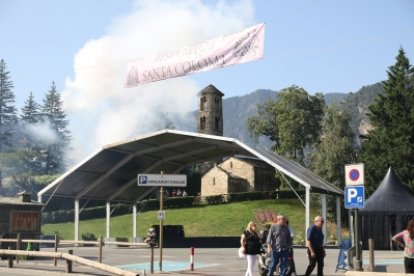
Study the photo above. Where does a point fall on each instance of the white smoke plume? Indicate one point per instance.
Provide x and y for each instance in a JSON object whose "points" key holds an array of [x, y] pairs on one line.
{"points": [[100, 109], [41, 131]]}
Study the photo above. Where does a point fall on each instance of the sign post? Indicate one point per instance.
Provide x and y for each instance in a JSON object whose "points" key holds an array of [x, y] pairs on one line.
{"points": [[162, 180], [161, 243], [354, 200]]}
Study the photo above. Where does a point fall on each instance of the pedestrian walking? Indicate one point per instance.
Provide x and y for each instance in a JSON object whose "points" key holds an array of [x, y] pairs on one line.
{"points": [[278, 242], [251, 246], [406, 240], [314, 243]]}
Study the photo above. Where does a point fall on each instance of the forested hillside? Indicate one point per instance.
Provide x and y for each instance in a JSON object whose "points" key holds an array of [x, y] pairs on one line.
{"points": [[236, 110]]}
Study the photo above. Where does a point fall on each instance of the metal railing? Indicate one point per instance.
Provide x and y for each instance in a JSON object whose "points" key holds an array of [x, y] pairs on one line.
{"points": [[17, 242], [69, 257]]}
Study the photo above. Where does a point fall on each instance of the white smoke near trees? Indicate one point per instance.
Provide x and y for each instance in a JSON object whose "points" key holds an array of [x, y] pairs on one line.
{"points": [[41, 132], [101, 110]]}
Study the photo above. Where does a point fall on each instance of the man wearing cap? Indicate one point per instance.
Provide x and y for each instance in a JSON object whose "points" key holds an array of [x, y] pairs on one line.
{"points": [[314, 243]]}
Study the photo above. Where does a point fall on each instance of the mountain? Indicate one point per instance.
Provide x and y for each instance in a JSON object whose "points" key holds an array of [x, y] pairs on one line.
{"points": [[236, 111], [357, 104]]}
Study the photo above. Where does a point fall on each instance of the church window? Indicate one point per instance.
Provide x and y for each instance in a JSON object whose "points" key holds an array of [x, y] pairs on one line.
{"points": [[202, 123], [203, 101], [217, 123]]}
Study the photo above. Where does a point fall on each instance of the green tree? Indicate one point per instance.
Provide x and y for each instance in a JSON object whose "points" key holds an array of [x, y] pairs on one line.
{"points": [[292, 121], [52, 113], [8, 117], [333, 151], [31, 150], [31, 111], [16, 178], [335, 148], [390, 142]]}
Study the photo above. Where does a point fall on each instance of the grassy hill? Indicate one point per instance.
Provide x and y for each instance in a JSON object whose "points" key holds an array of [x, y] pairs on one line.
{"points": [[213, 220]]}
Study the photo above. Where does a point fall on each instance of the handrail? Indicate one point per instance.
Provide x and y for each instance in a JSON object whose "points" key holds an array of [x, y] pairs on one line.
{"points": [[139, 244], [18, 241], [69, 258]]}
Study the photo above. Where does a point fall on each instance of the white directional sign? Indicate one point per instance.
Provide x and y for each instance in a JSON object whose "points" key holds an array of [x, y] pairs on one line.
{"points": [[162, 180], [161, 215], [354, 174], [354, 197]]}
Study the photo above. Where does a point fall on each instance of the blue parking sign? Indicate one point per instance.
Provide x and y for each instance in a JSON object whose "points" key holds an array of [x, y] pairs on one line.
{"points": [[354, 197]]}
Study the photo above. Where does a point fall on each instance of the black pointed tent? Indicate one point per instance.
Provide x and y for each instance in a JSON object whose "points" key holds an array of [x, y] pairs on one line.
{"points": [[386, 212]]}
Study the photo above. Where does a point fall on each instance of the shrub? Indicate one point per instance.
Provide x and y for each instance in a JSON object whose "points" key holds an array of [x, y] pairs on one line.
{"points": [[88, 237]]}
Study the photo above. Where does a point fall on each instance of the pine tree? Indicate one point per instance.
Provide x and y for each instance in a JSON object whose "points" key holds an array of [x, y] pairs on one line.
{"points": [[53, 114], [31, 150], [8, 117], [391, 141], [31, 111]]}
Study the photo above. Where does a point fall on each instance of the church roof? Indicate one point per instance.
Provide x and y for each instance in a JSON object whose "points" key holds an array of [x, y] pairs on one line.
{"points": [[229, 174], [390, 196], [256, 162]]}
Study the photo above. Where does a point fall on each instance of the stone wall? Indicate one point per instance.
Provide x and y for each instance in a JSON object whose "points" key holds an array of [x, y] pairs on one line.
{"points": [[236, 175], [240, 169], [214, 182]]}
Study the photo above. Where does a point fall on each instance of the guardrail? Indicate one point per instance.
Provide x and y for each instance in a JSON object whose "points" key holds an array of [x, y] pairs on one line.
{"points": [[69, 257], [60, 255], [56, 242]]}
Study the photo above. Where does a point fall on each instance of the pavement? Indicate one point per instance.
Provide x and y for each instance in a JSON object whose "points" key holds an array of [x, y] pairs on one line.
{"points": [[176, 261]]}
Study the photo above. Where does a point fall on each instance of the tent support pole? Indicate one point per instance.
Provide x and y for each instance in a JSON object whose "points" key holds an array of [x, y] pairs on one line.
{"points": [[134, 220], [108, 219], [307, 210], [338, 220], [323, 199], [76, 219]]}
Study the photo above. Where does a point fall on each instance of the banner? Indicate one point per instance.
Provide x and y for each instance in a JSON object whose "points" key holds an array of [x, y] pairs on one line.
{"points": [[241, 47]]}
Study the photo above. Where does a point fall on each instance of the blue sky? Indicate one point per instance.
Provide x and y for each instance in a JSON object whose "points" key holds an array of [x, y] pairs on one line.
{"points": [[85, 46]]}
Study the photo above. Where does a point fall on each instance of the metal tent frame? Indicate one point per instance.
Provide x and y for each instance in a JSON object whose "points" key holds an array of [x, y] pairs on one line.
{"points": [[110, 173]]}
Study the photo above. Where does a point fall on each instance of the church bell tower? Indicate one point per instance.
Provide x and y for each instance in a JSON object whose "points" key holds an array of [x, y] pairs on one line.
{"points": [[210, 111]]}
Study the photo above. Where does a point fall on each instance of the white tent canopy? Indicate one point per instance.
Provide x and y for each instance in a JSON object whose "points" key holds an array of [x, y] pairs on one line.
{"points": [[110, 173]]}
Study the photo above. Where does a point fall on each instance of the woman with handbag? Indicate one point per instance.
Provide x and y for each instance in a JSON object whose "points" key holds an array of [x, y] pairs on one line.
{"points": [[250, 246]]}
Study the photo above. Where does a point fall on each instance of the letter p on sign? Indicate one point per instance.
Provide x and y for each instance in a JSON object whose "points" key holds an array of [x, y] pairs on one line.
{"points": [[351, 194]]}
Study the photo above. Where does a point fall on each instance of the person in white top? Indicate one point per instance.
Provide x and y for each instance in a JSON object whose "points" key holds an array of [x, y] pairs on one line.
{"points": [[406, 240]]}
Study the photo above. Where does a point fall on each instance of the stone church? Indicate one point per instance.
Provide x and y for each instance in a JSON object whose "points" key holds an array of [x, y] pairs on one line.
{"points": [[235, 174]]}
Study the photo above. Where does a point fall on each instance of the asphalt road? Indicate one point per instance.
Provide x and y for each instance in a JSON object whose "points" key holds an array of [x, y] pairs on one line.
{"points": [[176, 261]]}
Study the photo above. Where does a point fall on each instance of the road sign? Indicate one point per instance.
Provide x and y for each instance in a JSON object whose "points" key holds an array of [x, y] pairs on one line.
{"points": [[354, 197], [161, 215], [162, 180], [354, 174]]}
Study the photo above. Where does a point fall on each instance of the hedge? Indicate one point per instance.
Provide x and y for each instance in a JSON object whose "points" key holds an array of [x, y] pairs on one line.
{"points": [[169, 202]]}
